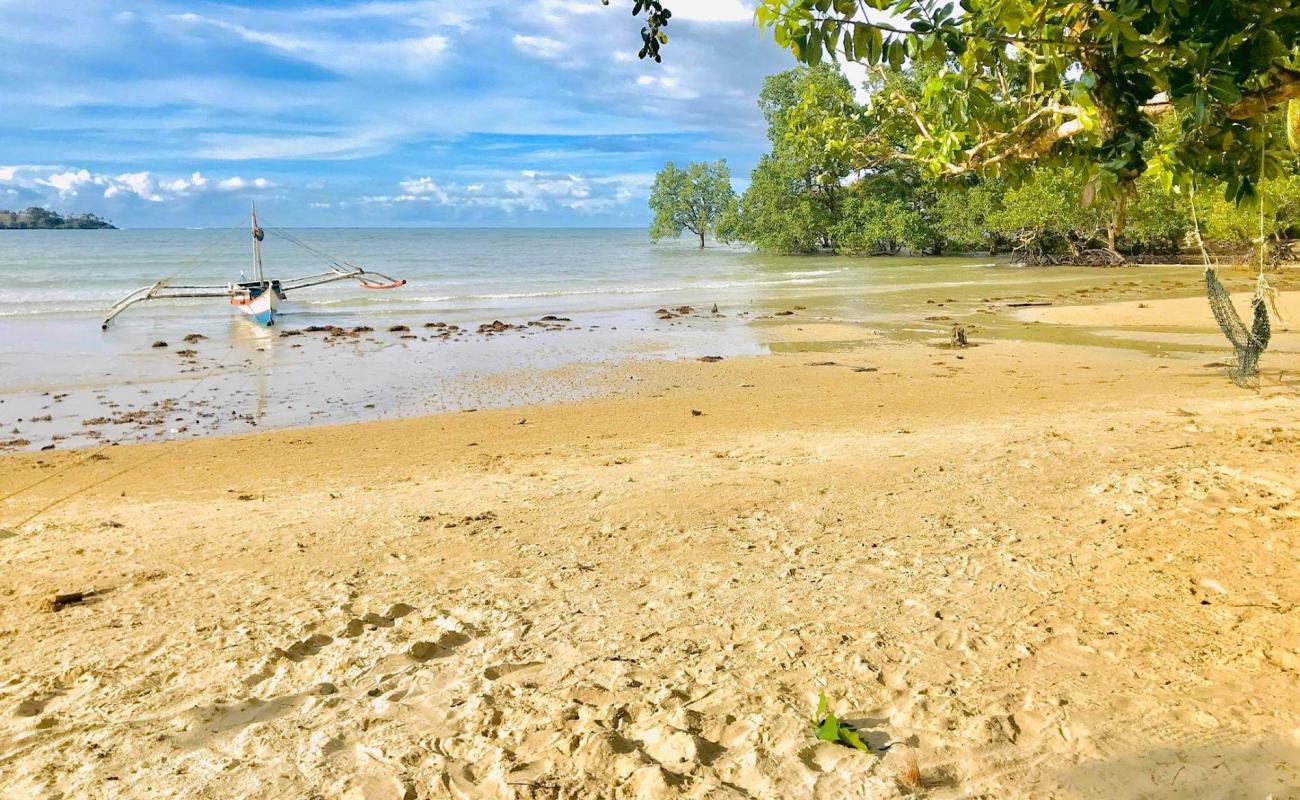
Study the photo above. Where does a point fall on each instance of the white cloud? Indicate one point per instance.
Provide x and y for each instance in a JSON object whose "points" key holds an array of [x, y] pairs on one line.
{"points": [[240, 147], [424, 187], [237, 183], [325, 48], [668, 84], [559, 9], [182, 185], [539, 46], [408, 13], [467, 94], [67, 182], [140, 184], [683, 10], [713, 10], [525, 191], [534, 190]]}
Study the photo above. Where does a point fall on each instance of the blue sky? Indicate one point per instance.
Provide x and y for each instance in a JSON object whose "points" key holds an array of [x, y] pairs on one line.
{"points": [[374, 112]]}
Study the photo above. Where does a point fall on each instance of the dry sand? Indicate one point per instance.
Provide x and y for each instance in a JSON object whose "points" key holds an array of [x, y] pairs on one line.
{"points": [[1034, 570], [1182, 312]]}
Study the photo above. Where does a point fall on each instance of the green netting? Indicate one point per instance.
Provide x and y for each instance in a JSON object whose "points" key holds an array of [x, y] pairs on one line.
{"points": [[1247, 344]]}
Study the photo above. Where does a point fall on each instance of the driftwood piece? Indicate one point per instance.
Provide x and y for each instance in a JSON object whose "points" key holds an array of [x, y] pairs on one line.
{"points": [[959, 336], [61, 601]]}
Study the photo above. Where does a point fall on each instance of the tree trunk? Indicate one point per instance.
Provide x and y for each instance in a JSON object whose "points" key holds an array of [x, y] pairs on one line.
{"points": [[1117, 219], [701, 240]]}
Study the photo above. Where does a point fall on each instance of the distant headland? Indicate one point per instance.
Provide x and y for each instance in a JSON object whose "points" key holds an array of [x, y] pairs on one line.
{"points": [[36, 218]]}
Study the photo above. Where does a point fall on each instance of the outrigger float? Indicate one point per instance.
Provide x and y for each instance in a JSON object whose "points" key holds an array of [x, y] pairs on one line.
{"points": [[259, 299]]}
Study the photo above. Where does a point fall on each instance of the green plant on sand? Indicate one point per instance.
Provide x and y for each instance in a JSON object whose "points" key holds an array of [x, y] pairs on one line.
{"points": [[831, 728]]}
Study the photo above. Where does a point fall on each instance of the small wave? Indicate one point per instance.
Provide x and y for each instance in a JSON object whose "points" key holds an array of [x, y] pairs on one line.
{"points": [[812, 273], [802, 278]]}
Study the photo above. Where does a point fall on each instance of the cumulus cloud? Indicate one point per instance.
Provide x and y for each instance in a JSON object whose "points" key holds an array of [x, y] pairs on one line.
{"points": [[385, 91], [195, 181], [64, 183], [237, 183], [713, 11], [421, 189], [524, 191], [539, 46], [141, 184]]}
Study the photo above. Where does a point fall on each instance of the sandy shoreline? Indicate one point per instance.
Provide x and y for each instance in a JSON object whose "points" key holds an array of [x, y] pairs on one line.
{"points": [[1038, 570], [69, 385]]}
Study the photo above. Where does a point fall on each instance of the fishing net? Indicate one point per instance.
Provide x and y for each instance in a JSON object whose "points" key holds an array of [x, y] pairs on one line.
{"points": [[1248, 344]]}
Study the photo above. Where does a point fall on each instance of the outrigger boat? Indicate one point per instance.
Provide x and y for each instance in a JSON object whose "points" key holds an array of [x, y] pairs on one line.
{"points": [[259, 299]]}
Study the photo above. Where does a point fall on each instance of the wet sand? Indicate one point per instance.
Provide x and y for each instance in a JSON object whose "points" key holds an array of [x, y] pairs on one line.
{"points": [[1026, 568], [68, 385]]}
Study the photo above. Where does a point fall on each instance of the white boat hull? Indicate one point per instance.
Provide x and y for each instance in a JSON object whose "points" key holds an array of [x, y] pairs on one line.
{"points": [[260, 309]]}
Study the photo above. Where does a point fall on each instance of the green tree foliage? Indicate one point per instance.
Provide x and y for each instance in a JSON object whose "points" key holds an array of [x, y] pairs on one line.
{"points": [[811, 192], [777, 212], [37, 218], [937, 159], [1043, 217], [693, 199], [1069, 82], [888, 212], [1026, 81], [813, 124], [965, 216], [1157, 222], [1235, 226]]}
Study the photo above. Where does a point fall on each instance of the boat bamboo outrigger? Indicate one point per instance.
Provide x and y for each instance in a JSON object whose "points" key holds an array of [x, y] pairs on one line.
{"points": [[259, 299]]}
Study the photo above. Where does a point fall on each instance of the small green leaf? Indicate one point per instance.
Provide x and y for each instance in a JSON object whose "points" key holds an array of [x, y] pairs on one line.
{"points": [[829, 730], [897, 52], [852, 739]]}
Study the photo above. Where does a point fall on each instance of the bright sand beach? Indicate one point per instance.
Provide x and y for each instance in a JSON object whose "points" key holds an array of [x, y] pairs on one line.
{"points": [[1037, 567]]}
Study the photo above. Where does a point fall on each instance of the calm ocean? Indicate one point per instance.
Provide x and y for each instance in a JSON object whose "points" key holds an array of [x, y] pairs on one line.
{"points": [[55, 287], [78, 274]]}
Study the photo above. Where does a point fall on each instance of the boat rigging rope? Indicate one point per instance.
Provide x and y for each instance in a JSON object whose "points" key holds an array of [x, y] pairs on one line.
{"points": [[321, 254], [184, 268], [97, 451], [215, 238]]}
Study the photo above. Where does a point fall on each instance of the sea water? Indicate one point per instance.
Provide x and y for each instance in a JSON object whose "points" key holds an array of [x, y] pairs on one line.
{"points": [[55, 287]]}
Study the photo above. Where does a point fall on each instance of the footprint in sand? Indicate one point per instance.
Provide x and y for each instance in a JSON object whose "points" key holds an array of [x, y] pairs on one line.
{"points": [[305, 647], [373, 621], [312, 645], [443, 646], [32, 706]]}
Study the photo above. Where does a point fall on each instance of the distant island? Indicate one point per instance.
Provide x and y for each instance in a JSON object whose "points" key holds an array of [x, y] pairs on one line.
{"points": [[36, 218]]}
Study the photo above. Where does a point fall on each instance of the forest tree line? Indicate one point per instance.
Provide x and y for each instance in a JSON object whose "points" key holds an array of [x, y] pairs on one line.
{"points": [[840, 177], [36, 218]]}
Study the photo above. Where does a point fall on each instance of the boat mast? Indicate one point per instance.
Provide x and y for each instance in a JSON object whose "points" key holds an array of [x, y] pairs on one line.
{"points": [[257, 247]]}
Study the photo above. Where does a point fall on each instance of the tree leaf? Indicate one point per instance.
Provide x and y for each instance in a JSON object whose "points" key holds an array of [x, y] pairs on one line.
{"points": [[829, 729], [850, 737], [1293, 124]]}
